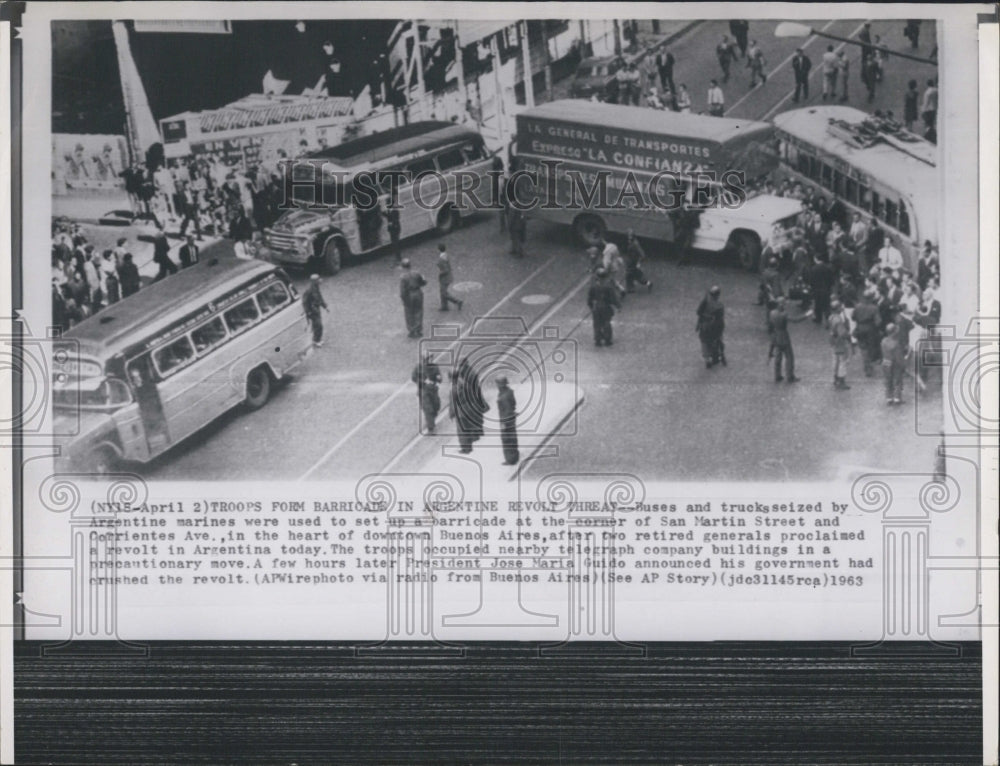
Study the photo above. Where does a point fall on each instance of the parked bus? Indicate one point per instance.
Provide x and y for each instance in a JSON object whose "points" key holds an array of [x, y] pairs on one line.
{"points": [[327, 227], [870, 165], [145, 373], [675, 152]]}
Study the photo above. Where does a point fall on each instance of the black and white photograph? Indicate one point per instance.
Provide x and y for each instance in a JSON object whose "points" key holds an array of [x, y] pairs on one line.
{"points": [[500, 383]]}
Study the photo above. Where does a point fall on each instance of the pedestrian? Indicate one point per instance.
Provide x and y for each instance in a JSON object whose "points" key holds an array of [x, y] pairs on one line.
{"points": [[411, 292], [910, 105], [829, 73], [633, 83], [650, 71], [840, 339], [781, 341], [716, 101], [313, 305], [188, 252], [843, 71], [821, 280], [869, 76], [634, 256], [893, 364], [467, 405], [507, 411], [665, 66], [128, 276], [109, 278], [161, 255], [445, 279], [725, 52], [929, 105], [866, 331], [602, 299], [873, 243], [710, 327], [394, 228], [865, 37], [683, 99], [517, 224], [912, 32], [801, 64], [740, 30], [755, 63], [889, 256], [427, 376], [771, 287], [880, 54]]}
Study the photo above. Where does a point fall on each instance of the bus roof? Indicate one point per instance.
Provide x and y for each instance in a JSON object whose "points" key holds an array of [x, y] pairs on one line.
{"points": [[156, 307], [902, 169], [645, 120], [427, 135]]}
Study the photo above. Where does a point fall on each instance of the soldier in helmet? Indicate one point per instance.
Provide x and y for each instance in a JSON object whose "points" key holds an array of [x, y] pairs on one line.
{"points": [[427, 376], [711, 324]]}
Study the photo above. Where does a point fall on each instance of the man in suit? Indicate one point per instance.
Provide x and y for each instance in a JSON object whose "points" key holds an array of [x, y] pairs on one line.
{"points": [[665, 66], [801, 66], [188, 252], [161, 255], [781, 341]]}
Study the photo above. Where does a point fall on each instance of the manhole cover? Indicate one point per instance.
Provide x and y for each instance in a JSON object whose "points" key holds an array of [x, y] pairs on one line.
{"points": [[466, 287], [536, 300]]}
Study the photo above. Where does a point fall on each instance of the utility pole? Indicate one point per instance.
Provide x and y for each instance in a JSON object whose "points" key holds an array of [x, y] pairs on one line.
{"points": [[529, 85]]}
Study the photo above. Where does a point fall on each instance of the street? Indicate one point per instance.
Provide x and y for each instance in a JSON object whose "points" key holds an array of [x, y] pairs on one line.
{"points": [[651, 408]]}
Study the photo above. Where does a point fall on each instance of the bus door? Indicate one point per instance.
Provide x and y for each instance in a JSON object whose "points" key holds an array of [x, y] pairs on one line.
{"points": [[142, 379]]}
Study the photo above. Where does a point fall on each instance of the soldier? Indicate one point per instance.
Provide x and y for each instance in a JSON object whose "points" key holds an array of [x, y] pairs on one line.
{"points": [[634, 256], [771, 287], [781, 341], [710, 327], [427, 376], [412, 294], [445, 279], [602, 300], [840, 339], [313, 304], [394, 228], [507, 409], [467, 405]]}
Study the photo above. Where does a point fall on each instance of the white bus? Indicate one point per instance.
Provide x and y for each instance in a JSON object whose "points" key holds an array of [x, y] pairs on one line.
{"points": [[145, 373], [325, 227], [870, 166]]}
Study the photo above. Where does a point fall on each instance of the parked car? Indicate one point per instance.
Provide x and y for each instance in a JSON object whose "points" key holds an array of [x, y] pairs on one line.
{"points": [[596, 75]]}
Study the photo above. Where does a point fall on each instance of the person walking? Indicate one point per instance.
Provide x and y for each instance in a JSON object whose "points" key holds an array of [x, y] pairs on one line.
{"points": [[755, 63], [445, 279], [840, 339], [602, 299], [161, 255], [467, 405], [821, 281], [929, 105], [188, 252], [394, 229], [894, 354], [427, 376], [507, 411], [710, 327], [313, 305], [634, 256], [781, 341], [725, 52], [829, 73], [740, 30], [665, 66], [716, 100], [866, 320], [128, 276], [865, 37], [411, 293], [801, 64], [843, 71], [910, 105], [869, 76], [517, 225]]}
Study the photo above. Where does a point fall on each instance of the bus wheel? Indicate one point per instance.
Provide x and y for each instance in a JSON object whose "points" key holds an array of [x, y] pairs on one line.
{"points": [[258, 388], [589, 229], [747, 248], [102, 461], [447, 220], [334, 253]]}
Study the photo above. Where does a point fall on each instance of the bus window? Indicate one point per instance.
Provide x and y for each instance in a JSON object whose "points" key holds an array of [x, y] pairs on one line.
{"points": [[826, 176], [864, 197], [891, 213], [876, 205], [241, 316], [273, 297], [208, 335], [453, 158], [851, 190], [838, 183], [802, 163], [474, 151], [173, 356], [904, 219], [421, 168], [814, 164]]}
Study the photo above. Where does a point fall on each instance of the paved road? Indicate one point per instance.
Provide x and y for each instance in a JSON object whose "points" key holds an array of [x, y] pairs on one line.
{"points": [[651, 406]]}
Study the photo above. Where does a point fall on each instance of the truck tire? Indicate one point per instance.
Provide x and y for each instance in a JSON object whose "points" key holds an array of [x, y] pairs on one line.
{"points": [[447, 220], [746, 247], [589, 229], [334, 252], [258, 387]]}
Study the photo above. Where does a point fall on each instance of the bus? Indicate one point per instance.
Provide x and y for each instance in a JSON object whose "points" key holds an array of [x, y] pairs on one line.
{"points": [[145, 373], [677, 152], [870, 165], [326, 226]]}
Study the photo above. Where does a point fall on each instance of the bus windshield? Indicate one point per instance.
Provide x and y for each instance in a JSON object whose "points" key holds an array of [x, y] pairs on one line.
{"points": [[97, 393]]}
